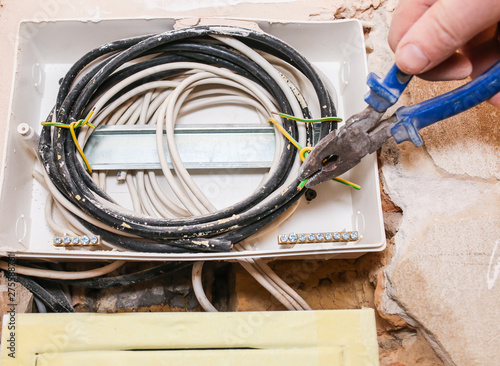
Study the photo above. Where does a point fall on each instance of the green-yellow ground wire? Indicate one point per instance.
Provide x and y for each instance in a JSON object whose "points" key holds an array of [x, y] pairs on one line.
{"points": [[72, 127], [324, 119], [304, 150]]}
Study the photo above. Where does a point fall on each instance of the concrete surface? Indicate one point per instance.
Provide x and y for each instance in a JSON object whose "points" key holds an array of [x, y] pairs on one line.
{"points": [[443, 278]]}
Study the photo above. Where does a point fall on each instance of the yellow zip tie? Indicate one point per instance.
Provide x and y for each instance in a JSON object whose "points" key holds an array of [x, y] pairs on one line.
{"points": [[72, 127], [303, 151]]}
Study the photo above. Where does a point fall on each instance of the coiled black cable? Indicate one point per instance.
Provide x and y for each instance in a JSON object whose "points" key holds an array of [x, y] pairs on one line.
{"points": [[216, 231]]}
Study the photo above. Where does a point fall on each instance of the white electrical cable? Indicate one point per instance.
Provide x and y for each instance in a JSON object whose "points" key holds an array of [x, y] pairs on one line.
{"points": [[107, 96], [169, 204], [162, 102], [143, 196], [250, 264], [198, 288], [154, 199], [102, 180], [47, 183], [121, 111], [265, 269], [64, 275], [136, 201], [197, 285], [53, 225], [197, 268], [72, 220]]}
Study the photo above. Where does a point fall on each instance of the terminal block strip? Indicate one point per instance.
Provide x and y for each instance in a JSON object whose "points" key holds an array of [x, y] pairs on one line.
{"points": [[327, 237]]}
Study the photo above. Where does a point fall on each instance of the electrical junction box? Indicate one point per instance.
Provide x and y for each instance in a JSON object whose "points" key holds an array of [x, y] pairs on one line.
{"points": [[45, 53]]}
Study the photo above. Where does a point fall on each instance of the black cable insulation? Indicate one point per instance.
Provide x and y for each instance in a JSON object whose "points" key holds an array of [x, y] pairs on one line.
{"points": [[48, 292], [219, 229], [127, 279]]}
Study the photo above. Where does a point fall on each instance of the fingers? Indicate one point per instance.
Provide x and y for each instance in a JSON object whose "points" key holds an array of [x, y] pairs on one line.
{"points": [[405, 15], [442, 29], [483, 50], [456, 67], [495, 100]]}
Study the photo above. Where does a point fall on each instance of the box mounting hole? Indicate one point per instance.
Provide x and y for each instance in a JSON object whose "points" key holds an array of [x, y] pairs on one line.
{"points": [[21, 228]]}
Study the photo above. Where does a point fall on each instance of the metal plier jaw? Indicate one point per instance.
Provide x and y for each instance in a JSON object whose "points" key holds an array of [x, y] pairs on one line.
{"points": [[365, 132]]}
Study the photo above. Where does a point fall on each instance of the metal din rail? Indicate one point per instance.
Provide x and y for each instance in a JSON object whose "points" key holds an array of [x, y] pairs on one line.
{"points": [[200, 147]]}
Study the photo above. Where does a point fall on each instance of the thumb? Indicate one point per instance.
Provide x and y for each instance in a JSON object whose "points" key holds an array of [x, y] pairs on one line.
{"points": [[445, 27]]}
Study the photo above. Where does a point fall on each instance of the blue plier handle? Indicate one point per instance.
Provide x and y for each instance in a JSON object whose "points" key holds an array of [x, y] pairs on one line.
{"points": [[385, 93], [365, 132]]}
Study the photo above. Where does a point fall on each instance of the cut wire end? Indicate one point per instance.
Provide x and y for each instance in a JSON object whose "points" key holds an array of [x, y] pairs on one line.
{"points": [[303, 151]]}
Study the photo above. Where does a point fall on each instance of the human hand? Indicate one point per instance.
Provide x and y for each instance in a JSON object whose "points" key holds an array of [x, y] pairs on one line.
{"points": [[446, 39]]}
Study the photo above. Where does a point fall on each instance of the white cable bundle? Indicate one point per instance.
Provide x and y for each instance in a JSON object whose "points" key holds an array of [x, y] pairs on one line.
{"points": [[161, 103]]}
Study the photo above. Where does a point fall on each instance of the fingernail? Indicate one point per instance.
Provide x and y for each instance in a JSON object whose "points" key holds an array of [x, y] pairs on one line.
{"points": [[411, 59]]}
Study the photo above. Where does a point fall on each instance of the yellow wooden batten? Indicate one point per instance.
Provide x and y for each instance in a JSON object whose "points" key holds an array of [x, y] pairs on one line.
{"points": [[329, 337]]}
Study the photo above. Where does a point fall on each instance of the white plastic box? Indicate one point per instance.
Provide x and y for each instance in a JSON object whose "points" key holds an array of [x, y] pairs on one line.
{"points": [[47, 50]]}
